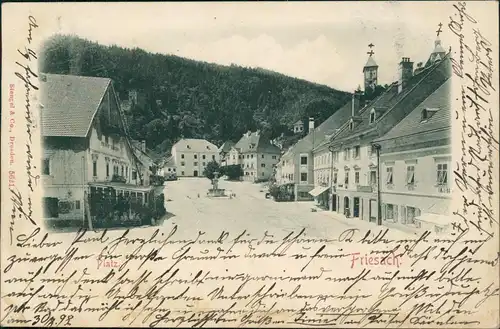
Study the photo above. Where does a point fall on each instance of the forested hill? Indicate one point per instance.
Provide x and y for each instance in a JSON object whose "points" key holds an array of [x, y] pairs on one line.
{"points": [[192, 99]]}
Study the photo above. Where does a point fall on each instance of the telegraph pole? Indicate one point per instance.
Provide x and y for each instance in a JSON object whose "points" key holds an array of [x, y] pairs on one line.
{"points": [[379, 203]]}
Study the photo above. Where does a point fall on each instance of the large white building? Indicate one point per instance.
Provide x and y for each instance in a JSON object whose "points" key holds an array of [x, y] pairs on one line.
{"points": [[355, 161], [256, 155], [192, 155], [415, 159]]}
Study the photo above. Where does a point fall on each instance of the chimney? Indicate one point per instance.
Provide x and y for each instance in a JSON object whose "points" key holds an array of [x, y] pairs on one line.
{"points": [[143, 145], [311, 124], [355, 103], [405, 73]]}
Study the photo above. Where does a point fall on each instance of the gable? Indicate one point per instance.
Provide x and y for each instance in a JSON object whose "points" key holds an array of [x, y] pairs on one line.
{"points": [[70, 103]]}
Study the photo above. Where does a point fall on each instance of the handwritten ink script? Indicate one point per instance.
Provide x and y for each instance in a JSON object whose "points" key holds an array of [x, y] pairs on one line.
{"points": [[154, 277], [474, 67]]}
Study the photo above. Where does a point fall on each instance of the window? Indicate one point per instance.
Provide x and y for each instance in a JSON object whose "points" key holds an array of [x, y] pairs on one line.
{"points": [[203, 156], [107, 169], [389, 212], [389, 180], [173, 169], [168, 169], [347, 155], [126, 171], [183, 163], [335, 178], [351, 125], [233, 157], [213, 156], [373, 177], [134, 174], [442, 174], [106, 140], [346, 178], [262, 174], [203, 163], [356, 152], [372, 116], [94, 168], [303, 160], [263, 165], [262, 156], [356, 177], [77, 204], [372, 150], [303, 177], [195, 163], [46, 167], [336, 156], [410, 175], [274, 157], [411, 213], [182, 156], [123, 170], [195, 156], [427, 114], [182, 173], [251, 155]]}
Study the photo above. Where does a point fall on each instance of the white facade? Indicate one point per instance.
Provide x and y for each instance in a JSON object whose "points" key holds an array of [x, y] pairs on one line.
{"points": [[192, 155]]}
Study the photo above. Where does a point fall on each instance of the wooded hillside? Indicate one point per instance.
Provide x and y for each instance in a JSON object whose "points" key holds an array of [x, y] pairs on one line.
{"points": [[197, 99]]}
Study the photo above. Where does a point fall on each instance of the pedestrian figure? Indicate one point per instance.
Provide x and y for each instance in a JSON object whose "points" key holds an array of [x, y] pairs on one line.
{"points": [[198, 195]]}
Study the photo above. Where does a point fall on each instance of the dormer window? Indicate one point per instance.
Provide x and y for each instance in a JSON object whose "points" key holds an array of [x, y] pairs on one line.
{"points": [[372, 116], [427, 114], [189, 147]]}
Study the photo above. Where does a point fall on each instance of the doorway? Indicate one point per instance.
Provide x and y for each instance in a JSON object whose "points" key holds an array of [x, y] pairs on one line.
{"points": [[355, 208], [195, 174], [347, 210], [334, 202]]}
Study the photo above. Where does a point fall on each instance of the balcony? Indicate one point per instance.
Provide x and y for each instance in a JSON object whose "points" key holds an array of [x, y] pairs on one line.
{"points": [[364, 188]]}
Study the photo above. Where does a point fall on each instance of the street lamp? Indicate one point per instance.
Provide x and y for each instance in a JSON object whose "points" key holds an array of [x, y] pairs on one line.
{"points": [[379, 204]]}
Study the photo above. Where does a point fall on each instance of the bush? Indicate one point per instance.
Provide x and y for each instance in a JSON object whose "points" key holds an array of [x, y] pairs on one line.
{"points": [[233, 172], [157, 180]]}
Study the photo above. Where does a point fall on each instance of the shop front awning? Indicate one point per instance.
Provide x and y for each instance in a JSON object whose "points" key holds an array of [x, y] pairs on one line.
{"points": [[122, 186], [318, 190], [436, 219]]}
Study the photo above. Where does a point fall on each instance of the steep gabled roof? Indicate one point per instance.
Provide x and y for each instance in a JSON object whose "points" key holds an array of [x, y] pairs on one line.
{"points": [[255, 142], [413, 125], [226, 147], [195, 145], [321, 133], [417, 89], [70, 103]]}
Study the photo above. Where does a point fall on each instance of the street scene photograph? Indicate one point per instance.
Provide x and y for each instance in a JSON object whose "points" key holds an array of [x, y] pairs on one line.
{"points": [[250, 164], [133, 137]]}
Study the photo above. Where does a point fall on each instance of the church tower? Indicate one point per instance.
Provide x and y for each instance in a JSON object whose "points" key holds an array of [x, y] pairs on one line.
{"points": [[438, 53], [370, 70]]}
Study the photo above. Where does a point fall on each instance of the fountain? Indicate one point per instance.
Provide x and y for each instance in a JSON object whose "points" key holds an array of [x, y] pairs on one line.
{"points": [[215, 191]]}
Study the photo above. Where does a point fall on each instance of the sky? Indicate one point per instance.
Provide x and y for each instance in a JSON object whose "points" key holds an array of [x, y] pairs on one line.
{"points": [[323, 42]]}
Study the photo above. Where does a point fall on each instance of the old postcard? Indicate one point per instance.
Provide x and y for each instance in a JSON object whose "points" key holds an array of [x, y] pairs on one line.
{"points": [[258, 164]]}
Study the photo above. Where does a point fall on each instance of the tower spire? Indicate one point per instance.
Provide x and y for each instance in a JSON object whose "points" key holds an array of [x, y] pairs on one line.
{"points": [[370, 69]]}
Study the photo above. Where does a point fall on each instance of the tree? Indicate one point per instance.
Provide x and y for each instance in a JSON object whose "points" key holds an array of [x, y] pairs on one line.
{"points": [[233, 172], [212, 167]]}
